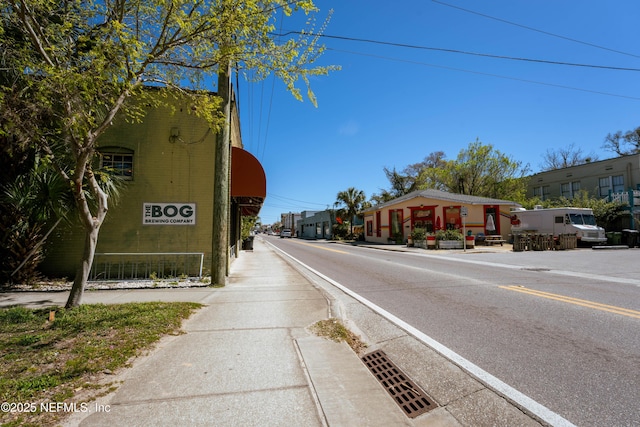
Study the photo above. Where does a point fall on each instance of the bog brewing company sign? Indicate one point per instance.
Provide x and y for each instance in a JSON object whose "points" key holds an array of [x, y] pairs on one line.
{"points": [[169, 214]]}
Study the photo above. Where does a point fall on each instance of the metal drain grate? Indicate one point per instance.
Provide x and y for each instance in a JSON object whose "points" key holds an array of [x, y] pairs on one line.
{"points": [[407, 395]]}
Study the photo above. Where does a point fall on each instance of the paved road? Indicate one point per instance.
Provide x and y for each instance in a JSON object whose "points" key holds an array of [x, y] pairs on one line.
{"points": [[561, 327]]}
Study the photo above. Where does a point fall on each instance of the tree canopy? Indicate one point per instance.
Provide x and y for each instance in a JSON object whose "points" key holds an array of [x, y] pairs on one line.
{"points": [[351, 203], [478, 170], [68, 68], [566, 157], [623, 143]]}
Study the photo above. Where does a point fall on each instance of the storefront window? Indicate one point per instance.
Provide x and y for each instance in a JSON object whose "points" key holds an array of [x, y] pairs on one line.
{"points": [[452, 218]]}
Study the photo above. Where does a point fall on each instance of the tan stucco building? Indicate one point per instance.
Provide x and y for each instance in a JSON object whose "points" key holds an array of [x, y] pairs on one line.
{"points": [[434, 210], [599, 178], [165, 212]]}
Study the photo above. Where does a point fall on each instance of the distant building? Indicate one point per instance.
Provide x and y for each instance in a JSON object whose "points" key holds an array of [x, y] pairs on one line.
{"points": [[434, 210], [316, 225], [599, 179], [617, 179], [289, 220]]}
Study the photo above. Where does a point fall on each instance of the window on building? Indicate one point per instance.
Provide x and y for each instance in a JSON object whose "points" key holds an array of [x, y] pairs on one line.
{"points": [[541, 192], [575, 187], [369, 228], [423, 218], [569, 189], [604, 187], [618, 183], [395, 223], [118, 161], [452, 218]]}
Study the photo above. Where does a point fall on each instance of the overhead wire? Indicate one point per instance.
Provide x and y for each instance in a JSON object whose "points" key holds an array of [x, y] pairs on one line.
{"points": [[488, 74], [535, 29], [294, 200], [261, 150], [487, 55]]}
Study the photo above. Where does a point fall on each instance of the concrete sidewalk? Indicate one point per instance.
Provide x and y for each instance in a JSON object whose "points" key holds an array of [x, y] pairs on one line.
{"points": [[248, 359]]}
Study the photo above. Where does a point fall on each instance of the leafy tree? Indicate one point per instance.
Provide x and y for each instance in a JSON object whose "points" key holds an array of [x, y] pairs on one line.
{"points": [[427, 174], [400, 184], [72, 66], [566, 157], [352, 202], [481, 170], [623, 143], [417, 176]]}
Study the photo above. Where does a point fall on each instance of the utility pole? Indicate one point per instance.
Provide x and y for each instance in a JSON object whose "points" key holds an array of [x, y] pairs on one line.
{"points": [[221, 187]]}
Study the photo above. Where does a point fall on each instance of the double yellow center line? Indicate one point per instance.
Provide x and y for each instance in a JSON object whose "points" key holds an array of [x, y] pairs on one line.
{"points": [[320, 247], [576, 301]]}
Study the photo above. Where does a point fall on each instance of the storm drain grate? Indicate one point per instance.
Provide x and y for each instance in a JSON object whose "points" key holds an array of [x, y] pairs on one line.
{"points": [[407, 395]]}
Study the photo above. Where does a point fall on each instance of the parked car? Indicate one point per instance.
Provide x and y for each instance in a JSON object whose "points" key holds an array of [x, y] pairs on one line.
{"points": [[285, 233]]}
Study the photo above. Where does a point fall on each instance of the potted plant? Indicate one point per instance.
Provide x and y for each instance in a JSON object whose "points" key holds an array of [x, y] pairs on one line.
{"points": [[246, 232], [449, 239], [418, 235]]}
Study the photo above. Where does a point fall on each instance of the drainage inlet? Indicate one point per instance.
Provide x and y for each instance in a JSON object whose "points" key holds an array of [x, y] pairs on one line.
{"points": [[411, 399]]}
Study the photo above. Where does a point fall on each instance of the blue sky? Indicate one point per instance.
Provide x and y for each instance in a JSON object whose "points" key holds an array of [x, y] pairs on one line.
{"points": [[391, 106]]}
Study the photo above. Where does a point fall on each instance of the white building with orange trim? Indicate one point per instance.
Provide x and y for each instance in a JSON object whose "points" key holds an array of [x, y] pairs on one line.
{"points": [[434, 210]]}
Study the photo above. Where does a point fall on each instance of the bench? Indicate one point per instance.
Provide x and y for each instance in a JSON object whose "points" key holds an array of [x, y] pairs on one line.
{"points": [[494, 240]]}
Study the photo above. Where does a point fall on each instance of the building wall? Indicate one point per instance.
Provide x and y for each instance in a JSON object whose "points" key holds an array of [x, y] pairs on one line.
{"points": [[475, 222], [317, 225], [173, 158], [619, 174]]}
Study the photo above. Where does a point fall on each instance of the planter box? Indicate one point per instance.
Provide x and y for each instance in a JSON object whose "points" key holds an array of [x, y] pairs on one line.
{"points": [[450, 244], [431, 243], [420, 244], [471, 241]]}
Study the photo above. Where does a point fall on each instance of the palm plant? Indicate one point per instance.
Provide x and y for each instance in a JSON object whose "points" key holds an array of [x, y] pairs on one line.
{"points": [[33, 201], [29, 203], [352, 202]]}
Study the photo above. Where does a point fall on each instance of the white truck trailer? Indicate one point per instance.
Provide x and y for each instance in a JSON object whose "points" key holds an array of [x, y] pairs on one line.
{"points": [[556, 221]]}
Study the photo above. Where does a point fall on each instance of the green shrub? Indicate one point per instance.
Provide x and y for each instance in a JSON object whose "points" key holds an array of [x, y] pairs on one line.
{"points": [[418, 234], [449, 235]]}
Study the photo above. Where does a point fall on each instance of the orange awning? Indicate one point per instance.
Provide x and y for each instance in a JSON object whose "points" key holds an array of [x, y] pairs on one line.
{"points": [[248, 181]]}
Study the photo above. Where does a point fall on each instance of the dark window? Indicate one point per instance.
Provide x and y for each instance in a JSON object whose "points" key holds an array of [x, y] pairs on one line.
{"points": [[119, 164]]}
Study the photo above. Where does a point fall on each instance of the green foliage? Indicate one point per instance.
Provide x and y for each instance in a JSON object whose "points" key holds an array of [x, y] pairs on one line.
{"points": [[479, 170], [45, 361], [419, 233], [351, 202], [449, 235], [340, 231], [32, 196], [68, 69], [248, 223]]}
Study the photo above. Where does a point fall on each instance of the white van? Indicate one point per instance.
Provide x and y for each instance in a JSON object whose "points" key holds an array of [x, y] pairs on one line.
{"points": [[556, 221]]}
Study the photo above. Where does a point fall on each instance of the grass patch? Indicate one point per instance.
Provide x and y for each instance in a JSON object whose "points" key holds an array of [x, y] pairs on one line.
{"points": [[46, 361], [334, 330]]}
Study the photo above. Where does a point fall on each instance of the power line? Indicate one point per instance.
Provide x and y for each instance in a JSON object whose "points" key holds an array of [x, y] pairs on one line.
{"points": [[294, 200], [488, 74], [486, 55], [535, 29]]}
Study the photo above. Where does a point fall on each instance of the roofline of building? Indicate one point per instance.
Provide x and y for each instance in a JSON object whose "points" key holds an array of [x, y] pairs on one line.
{"points": [[453, 197]]}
